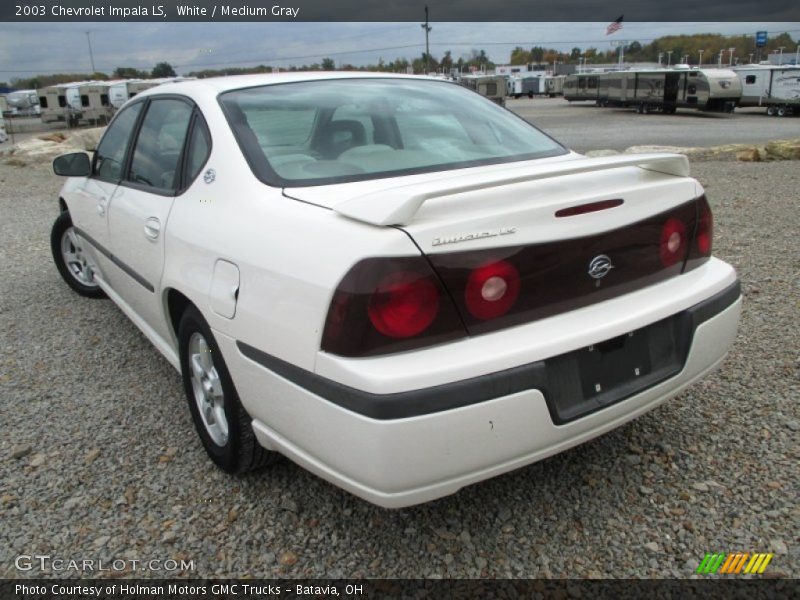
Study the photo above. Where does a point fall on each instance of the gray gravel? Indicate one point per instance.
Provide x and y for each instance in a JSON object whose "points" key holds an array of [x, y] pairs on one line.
{"points": [[98, 457]]}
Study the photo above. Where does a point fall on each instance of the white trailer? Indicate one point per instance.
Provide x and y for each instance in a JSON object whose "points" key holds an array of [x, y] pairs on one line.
{"points": [[23, 103], [95, 105], [775, 87], [122, 91], [60, 102]]}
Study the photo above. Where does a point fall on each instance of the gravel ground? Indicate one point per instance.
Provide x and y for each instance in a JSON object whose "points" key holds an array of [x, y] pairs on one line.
{"points": [[98, 457]]}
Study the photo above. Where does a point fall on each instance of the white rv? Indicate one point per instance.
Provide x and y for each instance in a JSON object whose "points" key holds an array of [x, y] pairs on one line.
{"points": [[23, 103], [60, 102], [776, 87], [120, 92], [95, 105]]}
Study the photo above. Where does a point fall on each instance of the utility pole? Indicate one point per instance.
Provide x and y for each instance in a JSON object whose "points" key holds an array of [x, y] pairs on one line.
{"points": [[701, 58], [427, 29], [669, 58], [91, 56], [731, 50], [780, 56]]}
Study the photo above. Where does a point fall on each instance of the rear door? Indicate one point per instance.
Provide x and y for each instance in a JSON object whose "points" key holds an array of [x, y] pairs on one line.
{"points": [[138, 214]]}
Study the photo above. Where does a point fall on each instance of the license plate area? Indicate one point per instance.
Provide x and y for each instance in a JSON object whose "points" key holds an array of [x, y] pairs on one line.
{"points": [[594, 377]]}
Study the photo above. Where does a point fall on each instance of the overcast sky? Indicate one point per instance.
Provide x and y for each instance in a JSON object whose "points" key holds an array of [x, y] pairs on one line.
{"points": [[38, 48]]}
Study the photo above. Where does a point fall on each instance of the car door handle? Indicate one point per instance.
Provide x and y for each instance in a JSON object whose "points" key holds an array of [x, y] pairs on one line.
{"points": [[101, 206], [152, 227]]}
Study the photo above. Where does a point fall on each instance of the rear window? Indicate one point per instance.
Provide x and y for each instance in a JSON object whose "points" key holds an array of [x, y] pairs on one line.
{"points": [[333, 131]]}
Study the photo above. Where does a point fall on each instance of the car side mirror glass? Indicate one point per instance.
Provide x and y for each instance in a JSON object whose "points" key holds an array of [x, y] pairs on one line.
{"points": [[76, 164]]}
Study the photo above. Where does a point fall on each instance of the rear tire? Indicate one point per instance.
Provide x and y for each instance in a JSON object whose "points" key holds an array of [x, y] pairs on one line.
{"points": [[781, 112], [771, 111], [71, 262], [223, 425]]}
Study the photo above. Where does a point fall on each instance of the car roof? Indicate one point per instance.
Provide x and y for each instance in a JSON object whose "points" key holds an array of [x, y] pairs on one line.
{"points": [[217, 85]]}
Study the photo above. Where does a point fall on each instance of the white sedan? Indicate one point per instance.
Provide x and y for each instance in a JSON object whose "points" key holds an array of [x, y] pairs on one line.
{"points": [[392, 281]]}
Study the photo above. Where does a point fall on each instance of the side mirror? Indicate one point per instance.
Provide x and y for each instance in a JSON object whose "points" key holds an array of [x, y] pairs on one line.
{"points": [[73, 165]]}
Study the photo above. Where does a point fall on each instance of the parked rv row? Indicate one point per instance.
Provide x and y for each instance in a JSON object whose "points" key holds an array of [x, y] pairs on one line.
{"points": [[536, 84], [665, 90], [79, 102]]}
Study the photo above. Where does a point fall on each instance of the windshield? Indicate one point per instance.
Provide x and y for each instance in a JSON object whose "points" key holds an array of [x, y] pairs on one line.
{"points": [[338, 130]]}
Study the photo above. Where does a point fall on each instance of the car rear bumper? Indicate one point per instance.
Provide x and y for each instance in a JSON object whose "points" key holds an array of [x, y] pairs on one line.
{"points": [[397, 459]]}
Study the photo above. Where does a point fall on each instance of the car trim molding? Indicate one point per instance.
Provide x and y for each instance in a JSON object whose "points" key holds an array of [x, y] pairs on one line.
{"points": [[110, 256], [448, 396]]}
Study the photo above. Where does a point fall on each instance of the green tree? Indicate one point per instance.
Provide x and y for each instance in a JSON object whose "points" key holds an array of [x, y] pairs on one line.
{"points": [[129, 73], [520, 56], [163, 69], [328, 64]]}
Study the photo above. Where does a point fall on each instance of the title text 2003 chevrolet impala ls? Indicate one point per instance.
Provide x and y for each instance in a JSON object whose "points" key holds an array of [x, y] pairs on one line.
{"points": [[399, 285]]}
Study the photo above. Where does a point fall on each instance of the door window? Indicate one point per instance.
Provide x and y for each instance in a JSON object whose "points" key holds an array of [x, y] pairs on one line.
{"points": [[156, 156], [199, 149], [110, 153]]}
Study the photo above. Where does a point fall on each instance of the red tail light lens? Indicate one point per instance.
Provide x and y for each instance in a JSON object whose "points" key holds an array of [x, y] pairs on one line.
{"points": [[492, 290], [389, 305], [674, 244], [705, 228], [403, 305]]}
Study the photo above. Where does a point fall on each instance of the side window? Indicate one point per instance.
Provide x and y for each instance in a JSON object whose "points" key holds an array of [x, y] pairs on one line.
{"points": [[111, 151], [157, 153], [199, 149], [84, 100], [750, 79], [43, 101]]}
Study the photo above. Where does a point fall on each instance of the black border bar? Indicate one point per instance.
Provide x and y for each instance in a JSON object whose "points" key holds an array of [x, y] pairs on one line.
{"points": [[512, 11]]}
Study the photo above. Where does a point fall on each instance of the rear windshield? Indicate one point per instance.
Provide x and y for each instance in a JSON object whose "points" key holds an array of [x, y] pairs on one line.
{"points": [[333, 131]]}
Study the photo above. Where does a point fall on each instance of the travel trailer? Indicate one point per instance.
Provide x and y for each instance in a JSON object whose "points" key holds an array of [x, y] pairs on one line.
{"points": [[582, 88], [554, 85], [493, 87], [96, 108], [122, 91], [775, 87], [525, 85], [60, 102], [23, 103]]}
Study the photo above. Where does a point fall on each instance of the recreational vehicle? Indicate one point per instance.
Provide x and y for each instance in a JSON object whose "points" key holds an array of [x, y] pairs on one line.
{"points": [[582, 88], [23, 103], [525, 85], [554, 85], [95, 105], [667, 90], [492, 86], [119, 93], [60, 102], [776, 87]]}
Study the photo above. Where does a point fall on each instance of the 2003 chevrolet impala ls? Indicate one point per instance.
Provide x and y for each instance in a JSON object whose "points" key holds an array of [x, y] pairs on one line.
{"points": [[394, 282]]}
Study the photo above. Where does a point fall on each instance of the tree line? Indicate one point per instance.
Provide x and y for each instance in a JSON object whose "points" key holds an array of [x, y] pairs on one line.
{"points": [[710, 44]]}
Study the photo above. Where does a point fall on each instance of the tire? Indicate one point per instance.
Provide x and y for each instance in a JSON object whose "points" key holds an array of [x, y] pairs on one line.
{"points": [[771, 111], [223, 425], [781, 112], [69, 258]]}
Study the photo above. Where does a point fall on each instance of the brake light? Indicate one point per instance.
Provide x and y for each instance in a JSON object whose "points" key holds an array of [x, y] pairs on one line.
{"points": [[491, 290], [403, 305], [674, 245], [705, 228], [389, 305]]}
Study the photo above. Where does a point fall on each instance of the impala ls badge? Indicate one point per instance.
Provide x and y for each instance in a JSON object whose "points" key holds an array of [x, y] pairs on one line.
{"points": [[600, 266]]}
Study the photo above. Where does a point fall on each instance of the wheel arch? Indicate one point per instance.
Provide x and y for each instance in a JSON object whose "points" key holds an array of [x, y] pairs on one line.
{"points": [[176, 303], [62, 205]]}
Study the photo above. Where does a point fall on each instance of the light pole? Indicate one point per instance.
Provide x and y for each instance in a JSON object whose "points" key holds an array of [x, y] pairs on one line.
{"points": [[731, 50], [750, 59], [719, 61], [701, 58], [669, 58], [91, 56], [660, 54], [427, 29], [780, 56]]}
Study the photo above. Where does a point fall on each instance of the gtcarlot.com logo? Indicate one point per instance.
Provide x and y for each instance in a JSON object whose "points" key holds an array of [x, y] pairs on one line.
{"points": [[734, 563], [45, 562]]}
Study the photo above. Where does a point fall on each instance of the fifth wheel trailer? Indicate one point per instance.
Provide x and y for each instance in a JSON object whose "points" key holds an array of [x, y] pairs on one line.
{"points": [[61, 102], [776, 87], [666, 90], [119, 93]]}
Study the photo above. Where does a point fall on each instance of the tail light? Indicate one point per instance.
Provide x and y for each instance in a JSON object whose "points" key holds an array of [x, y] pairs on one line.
{"points": [[491, 290], [674, 243], [388, 305], [703, 235]]}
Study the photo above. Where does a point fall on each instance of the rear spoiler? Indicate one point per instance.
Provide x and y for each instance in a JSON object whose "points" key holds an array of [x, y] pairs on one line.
{"points": [[398, 205]]}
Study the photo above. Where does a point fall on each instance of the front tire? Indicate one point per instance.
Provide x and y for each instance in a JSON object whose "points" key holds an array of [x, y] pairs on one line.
{"points": [[71, 262], [222, 423]]}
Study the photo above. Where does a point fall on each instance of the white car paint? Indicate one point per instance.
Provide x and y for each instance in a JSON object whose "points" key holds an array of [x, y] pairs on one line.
{"points": [[261, 264]]}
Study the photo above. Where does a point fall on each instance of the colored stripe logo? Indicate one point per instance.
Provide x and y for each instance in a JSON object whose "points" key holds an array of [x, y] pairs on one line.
{"points": [[734, 563]]}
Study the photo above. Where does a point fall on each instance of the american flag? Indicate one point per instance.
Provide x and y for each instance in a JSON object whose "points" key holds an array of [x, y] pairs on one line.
{"points": [[614, 26]]}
